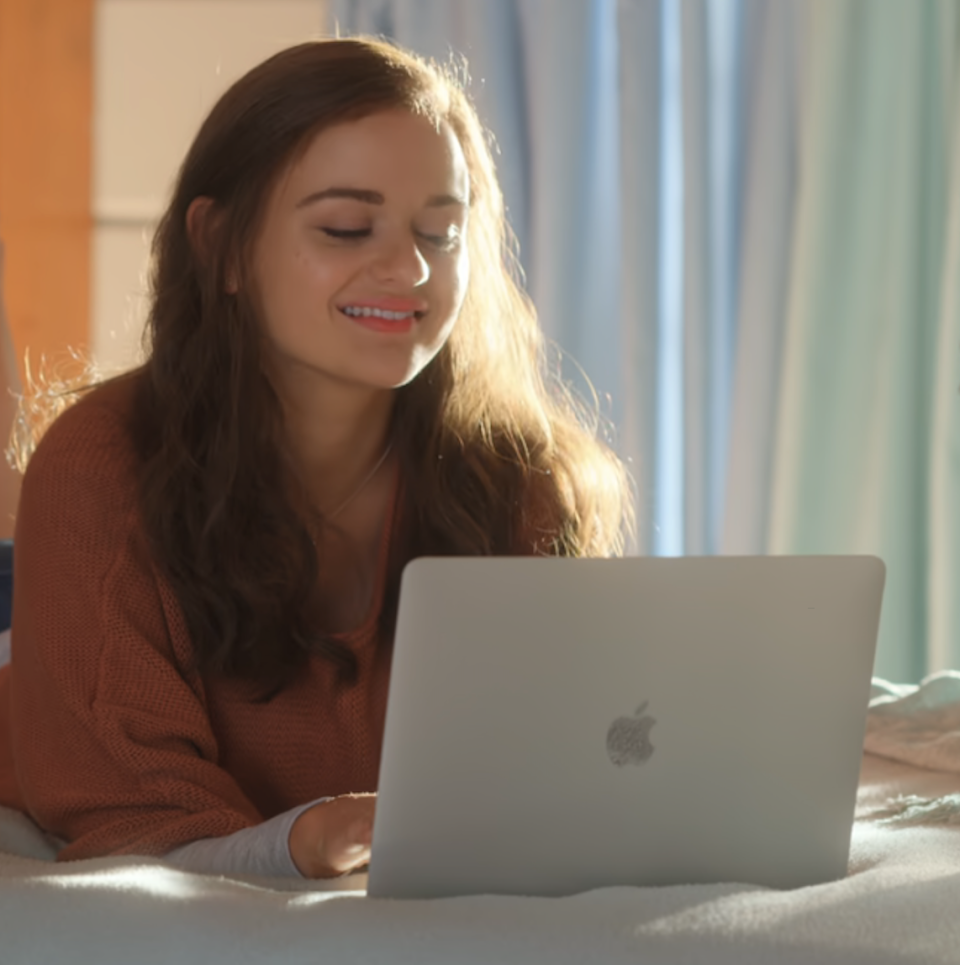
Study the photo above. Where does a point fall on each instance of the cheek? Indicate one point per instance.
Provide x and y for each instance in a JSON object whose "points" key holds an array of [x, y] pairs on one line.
{"points": [[304, 283], [286, 285], [309, 272]]}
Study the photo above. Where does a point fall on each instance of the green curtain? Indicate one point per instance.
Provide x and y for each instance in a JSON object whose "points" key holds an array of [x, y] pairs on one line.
{"points": [[867, 450]]}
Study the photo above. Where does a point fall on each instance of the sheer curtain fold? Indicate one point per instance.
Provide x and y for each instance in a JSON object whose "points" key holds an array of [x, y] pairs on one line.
{"points": [[714, 100], [573, 254], [641, 89], [773, 55]]}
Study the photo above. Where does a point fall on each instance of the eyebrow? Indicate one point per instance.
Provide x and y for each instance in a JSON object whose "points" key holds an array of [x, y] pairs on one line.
{"points": [[375, 197]]}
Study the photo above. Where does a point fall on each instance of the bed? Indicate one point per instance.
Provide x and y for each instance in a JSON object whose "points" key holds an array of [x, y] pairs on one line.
{"points": [[900, 902]]}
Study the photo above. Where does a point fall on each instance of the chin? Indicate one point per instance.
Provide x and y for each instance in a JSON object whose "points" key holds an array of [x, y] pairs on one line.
{"points": [[389, 378], [397, 372]]}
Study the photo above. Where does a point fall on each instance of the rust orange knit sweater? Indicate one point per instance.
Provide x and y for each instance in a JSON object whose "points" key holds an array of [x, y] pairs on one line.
{"points": [[106, 738]]}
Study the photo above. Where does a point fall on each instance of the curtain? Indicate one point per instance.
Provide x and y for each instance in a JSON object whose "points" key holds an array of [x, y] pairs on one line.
{"points": [[742, 220], [859, 453]]}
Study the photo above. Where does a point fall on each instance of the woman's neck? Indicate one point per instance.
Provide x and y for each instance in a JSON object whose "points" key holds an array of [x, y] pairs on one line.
{"points": [[337, 434]]}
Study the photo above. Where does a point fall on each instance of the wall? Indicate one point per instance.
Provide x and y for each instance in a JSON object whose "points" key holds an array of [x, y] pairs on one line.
{"points": [[159, 66], [45, 157]]}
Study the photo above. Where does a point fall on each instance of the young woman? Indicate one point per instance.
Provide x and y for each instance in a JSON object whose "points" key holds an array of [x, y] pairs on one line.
{"points": [[342, 375]]}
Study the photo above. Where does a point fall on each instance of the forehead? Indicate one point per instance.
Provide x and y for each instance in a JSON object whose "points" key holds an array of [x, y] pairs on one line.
{"points": [[398, 154]]}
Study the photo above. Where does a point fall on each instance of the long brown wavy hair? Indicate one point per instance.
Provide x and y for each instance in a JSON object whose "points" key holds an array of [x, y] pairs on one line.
{"points": [[504, 461]]}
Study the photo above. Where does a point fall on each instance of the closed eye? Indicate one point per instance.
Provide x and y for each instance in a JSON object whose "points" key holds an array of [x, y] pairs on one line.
{"points": [[448, 242], [443, 242], [352, 233]]}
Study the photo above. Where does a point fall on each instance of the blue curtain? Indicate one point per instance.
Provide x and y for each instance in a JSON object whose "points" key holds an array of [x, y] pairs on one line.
{"points": [[770, 132], [860, 457], [742, 219]]}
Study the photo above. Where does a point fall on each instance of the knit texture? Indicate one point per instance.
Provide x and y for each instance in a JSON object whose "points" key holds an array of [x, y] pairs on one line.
{"points": [[107, 738]]}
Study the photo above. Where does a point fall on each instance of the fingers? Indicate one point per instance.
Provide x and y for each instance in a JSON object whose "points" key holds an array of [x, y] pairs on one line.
{"points": [[348, 854], [351, 847], [334, 837]]}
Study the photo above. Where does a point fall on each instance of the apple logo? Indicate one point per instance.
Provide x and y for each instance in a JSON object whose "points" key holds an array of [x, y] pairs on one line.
{"points": [[628, 739]]}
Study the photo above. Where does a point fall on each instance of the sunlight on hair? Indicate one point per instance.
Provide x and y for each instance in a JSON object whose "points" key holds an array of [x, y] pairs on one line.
{"points": [[45, 396]]}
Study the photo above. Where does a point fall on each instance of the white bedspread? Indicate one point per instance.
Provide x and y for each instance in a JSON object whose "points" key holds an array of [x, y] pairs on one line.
{"points": [[900, 902]]}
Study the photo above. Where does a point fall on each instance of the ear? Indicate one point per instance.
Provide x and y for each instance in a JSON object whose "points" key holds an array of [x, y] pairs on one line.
{"points": [[198, 224], [200, 219]]}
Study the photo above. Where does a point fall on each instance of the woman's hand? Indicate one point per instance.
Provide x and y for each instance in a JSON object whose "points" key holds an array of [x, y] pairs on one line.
{"points": [[334, 837]]}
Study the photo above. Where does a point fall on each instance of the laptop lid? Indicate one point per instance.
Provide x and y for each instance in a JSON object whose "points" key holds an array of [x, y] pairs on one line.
{"points": [[557, 725]]}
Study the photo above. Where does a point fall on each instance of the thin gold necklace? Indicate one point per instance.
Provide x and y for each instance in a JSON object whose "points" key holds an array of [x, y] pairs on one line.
{"points": [[363, 482]]}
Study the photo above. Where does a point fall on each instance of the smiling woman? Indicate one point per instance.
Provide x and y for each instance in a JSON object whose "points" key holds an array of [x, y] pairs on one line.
{"points": [[343, 375]]}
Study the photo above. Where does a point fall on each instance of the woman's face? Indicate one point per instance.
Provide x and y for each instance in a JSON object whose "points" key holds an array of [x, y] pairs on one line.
{"points": [[361, 265]]}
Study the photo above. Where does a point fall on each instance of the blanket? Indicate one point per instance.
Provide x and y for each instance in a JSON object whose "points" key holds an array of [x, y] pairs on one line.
{"points": [[897, 905], [917, 724]]}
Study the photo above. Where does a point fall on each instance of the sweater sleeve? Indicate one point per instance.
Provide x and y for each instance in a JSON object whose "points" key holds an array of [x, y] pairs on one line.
{"points": [[263, 850], [111, 742]]}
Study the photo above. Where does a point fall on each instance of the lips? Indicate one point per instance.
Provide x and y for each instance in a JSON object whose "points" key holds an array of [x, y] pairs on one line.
{"points": [[385, 315]]}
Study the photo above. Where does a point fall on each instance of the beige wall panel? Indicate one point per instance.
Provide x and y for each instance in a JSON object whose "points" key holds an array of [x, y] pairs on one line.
{"points": [[159, 67], [119, 254]]}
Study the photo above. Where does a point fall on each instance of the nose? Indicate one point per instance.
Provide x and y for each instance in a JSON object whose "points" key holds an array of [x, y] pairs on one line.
{"points": [[400, 262]]}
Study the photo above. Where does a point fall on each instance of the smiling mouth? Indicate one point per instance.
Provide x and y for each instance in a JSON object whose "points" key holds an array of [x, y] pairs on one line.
{"points": [[353, 311]]}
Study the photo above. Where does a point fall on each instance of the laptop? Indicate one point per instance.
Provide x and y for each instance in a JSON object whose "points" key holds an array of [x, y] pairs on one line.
{"points": [[559, 725]]}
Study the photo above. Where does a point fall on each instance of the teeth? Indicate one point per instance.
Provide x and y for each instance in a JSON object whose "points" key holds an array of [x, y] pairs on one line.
{"points": [[356, 312]]}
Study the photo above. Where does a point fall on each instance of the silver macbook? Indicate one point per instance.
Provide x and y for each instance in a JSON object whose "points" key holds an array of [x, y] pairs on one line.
{"points": [[558, 725]]}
